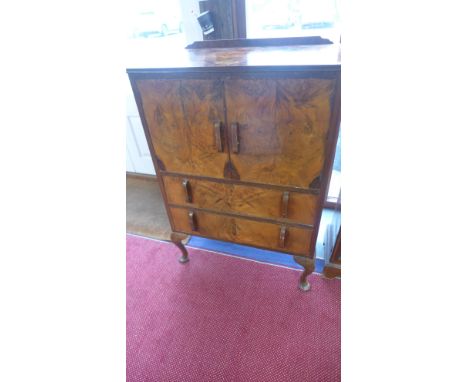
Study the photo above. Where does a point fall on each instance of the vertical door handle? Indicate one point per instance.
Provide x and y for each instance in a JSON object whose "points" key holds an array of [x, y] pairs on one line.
{"points": [[284, 204], [218, 136], [193, 221], [188, 190], [282, 236], [235, 143]]}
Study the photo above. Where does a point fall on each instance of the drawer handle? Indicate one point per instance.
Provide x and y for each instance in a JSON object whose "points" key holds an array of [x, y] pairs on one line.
{"points": [[188, 190], [218, 135], [284, 204], [193, 221], [282, 236], [233, 227], [235, 138]]}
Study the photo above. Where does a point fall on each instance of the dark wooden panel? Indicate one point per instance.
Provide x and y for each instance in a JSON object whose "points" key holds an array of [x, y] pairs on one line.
{"points": [[252, 184], [258, 42], [282, 128], [331, 271], [242, 231], [242, 199], [280, 222], [318, 56], [239, 19], [181, 117], [330, 151], [221, 11], [221, 73]]}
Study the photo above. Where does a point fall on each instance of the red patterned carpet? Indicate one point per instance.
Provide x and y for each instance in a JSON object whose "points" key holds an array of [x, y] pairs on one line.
{"points": [[220, 318]]}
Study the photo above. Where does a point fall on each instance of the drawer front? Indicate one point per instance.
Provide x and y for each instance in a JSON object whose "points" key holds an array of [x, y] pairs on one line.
{"points": [[255, 201], [242, 231]]}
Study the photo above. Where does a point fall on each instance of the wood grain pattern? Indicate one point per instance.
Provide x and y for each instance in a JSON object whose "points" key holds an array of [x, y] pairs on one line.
{"points": [[282, 128], [181, 116], [227, 197], [331, 271], [226, 179], [330, 148], [315, 57], [243, 231], [230, 172]]}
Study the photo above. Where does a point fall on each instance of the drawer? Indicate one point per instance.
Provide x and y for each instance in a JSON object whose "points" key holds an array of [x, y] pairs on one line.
{"points": [[242, 231], [228, 197]]}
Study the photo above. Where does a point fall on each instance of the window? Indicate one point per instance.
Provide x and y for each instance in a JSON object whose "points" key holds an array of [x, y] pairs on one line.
{"points": [[154, 24], [334, 189], [155, 19], [292, 18]]}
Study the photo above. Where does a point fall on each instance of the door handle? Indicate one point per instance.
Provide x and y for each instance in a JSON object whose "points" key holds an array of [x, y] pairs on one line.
{"points": [[193, 221], [218, 136], [284, 204], [235, 143], [282, 236], [188, 190]]}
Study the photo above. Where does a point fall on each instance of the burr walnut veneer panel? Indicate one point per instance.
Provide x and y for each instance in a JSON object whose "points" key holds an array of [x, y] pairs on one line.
{"points": [[181, 117], [282, 127], [242, 231], [226, 197]]}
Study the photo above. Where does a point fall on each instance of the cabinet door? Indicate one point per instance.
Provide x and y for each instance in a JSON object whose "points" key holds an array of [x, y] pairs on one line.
{"points": [[278, 128], [185, 119]]}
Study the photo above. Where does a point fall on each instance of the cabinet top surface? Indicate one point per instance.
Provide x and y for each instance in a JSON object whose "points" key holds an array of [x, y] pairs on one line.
{"points": [[326, 55]]}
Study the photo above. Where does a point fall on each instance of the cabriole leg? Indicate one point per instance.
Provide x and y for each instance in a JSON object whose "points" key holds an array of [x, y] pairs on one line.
{"points": [[177, 238], [308, 265]]}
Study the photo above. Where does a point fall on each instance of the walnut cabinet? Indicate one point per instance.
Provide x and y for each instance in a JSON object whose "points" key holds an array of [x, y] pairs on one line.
{"points": [[242, 139]]}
